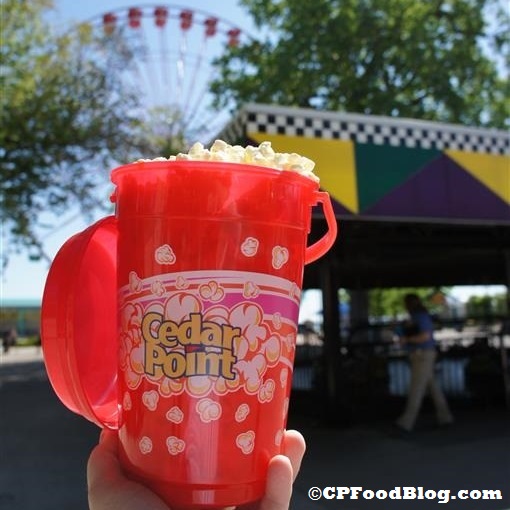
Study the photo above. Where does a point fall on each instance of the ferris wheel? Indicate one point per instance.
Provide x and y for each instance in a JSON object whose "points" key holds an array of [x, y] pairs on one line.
{"points": [[165, 52]]}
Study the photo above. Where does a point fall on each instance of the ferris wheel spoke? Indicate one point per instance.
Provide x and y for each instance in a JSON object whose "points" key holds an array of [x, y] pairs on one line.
{"points": [[149, 70], [194, 78], [165, 53], [201, 100], [165, 74], [123, 60], [181, 67]]}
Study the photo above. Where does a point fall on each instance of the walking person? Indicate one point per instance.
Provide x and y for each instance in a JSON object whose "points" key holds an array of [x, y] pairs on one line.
{"points": [[418, 338], [9, 339]]}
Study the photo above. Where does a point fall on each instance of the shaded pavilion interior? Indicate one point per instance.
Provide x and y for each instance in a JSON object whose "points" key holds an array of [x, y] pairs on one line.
{"points": [[418, 203], [410, 254]]}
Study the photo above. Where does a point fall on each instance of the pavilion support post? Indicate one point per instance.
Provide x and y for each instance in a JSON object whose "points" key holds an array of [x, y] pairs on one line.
{"points": [[505, 330], [507, 272], [359, 313], [333, 410]]}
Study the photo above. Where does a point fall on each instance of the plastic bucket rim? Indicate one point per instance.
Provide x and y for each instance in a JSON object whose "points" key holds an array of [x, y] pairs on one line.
{"points": [[211, 166]]}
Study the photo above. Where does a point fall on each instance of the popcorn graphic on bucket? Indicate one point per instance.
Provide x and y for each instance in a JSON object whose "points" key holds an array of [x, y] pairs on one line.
{"points": [[203, 268]]}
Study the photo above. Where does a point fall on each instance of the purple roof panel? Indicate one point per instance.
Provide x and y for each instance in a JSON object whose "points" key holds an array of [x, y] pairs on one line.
{"points": [[441, 189]]}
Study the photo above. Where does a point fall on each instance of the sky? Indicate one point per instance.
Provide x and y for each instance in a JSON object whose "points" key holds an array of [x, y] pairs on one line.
{"points": [[69, 11], [24, 279]]}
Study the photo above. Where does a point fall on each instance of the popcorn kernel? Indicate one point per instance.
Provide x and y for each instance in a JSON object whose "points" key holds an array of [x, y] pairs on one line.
{"points": [[263, 155]]}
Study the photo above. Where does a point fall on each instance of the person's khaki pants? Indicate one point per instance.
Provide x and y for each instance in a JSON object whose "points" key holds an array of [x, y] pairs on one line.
{"points": [[422, 379]]}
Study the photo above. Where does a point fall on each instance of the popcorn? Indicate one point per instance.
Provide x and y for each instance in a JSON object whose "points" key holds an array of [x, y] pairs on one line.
{"points": [[198, 384], [158, 288], [246, 442], [284, 374], [181, 283], [263, 155], [242, 412], [175, 415], [150, 400], [250, 290], [165, 255], [135, 282], [285, 408], [250, 247], [211, 291], [272, 349], [266, 391], [280, 256], [175, 445], [145, 445], [277, 320], [126, 402], [208, 410]]}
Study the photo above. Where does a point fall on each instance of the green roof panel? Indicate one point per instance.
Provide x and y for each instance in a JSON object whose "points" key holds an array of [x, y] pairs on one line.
{"points": [[380, 168]]}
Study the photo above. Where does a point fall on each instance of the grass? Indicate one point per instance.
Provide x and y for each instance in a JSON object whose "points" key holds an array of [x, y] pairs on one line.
{"points": [[27, 341]]}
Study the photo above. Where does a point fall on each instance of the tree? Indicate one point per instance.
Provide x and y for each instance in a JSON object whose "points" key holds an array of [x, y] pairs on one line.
{"points": [[442, 60], [407, 58], [486, 306], [390, 302], [65, 120]]}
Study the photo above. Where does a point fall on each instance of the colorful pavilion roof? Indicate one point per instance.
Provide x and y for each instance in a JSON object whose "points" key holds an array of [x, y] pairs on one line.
{"points": [[389, 168]]}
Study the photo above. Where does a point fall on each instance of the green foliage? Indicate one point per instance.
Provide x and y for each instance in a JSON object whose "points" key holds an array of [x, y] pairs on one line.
{"points": [[389, 57], [390, 302], [66, 119], [486, 306]]}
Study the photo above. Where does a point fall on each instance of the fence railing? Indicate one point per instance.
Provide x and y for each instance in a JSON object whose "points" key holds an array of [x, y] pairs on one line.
{"points": [[472, 372]]}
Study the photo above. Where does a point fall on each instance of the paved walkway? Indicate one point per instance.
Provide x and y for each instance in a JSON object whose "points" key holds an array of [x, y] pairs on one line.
{"points": [[44, 450]]}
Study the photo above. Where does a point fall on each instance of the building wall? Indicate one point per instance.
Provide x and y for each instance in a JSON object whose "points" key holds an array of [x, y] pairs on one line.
{"points": [[25, 319]]}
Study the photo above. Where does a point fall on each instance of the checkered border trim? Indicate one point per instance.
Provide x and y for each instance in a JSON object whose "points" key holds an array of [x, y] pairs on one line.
{"points": [[387, 132]]}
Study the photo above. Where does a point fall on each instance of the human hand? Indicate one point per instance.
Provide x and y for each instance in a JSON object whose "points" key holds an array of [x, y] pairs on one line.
{"points": [[109, 489]]}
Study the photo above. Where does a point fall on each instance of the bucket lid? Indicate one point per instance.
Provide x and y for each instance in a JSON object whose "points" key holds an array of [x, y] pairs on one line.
{"points": [[79, 323]]}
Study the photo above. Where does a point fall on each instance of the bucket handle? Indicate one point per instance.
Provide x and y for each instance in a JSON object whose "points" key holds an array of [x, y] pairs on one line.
{"points": [[319, 248]]}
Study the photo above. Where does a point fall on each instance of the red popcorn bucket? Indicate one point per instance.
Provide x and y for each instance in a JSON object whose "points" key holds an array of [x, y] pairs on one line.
{"points": [[175, 322]]}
